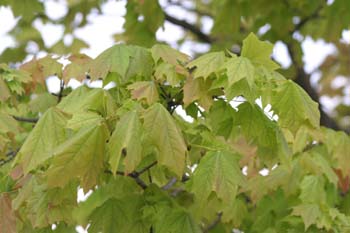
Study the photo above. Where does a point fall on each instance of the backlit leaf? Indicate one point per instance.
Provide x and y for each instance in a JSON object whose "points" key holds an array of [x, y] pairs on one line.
{"points": [[218, 172], [161, 130], [81, 156], [144, 90], [126, 136], [207, 64], [46, 135]]}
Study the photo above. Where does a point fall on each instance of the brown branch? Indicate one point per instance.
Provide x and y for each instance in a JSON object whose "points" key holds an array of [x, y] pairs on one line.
{"points": [[9, 156], [25, 119], [214, 223], [170, 184], [60, 93], [135, 174], [190, 27]]}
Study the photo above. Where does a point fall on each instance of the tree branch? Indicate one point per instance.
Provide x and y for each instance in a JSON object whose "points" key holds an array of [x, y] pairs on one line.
{"points": [[9, 156], [214, 223], [195, 30], [303, 79], [25, 119], [170, 184]]}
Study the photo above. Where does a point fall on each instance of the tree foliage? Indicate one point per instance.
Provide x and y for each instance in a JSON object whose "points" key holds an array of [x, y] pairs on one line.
{"points": [[249, 152]]}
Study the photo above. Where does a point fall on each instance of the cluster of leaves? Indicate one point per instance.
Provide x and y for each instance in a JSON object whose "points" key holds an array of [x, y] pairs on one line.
{"points": [[152, 171]]}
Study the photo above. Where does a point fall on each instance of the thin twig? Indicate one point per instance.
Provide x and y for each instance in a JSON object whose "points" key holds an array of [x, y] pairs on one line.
{"points": [[9, 156], [195, 30], [214, 223], [170, 184], [26, 119], [147, 167], [60, 94]]}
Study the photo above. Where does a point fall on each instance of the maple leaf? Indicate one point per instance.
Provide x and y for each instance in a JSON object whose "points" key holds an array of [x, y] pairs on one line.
{"points": [[126, 61], [163, 133], [7, 215], [127, 137], [144, 90], [42, 68], [48, 133], [207, 64], [77, 68], [217, 171], [122, 214], [308, 212], [258, 52], [294, 107], [238, 68], [197, 89], [168, 55], [85, 148]]}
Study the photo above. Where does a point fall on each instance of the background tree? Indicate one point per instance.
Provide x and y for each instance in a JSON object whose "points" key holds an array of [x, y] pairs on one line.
{"points": [[149, 169]]}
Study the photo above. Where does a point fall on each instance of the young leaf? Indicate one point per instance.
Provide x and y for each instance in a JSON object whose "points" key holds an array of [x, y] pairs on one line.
{"points": [[48, 133], [258, 52], [81, 156], [308, 212], [218, 171], [144, 90], [207, 64], [163, 133], [238, 68], [168, 55], [7, 214], [294, 107], [197, 89], [126, 136]]}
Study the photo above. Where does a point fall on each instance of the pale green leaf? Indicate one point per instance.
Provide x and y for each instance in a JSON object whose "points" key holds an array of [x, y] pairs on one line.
{"points": [[144, 90], [126, 136], [294, 107], [312, 190], [207, 64], [258, 52], [218, 171], [238, 68], [81, 156], [176, 221], [308, 212], [163, 133], [46, 135], [83, 119], [168, 55]]}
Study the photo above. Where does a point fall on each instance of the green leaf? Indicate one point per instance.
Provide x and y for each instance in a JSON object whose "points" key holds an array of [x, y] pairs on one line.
{"points": [[294, 107], [312, 190], [83, 99], [48, 133], [169, 73], [144, 90], [258, 52], [81, 156], [7, 214], [122, 214], [161, 130], [45, 206], [221, 117], [197, 89], [238, 68], [126, 61], [42, 102], [207, 64], [168, 55], [218, 171], [83, 119], [126, 137], [308, 212], [117, 187], [176, 221]]}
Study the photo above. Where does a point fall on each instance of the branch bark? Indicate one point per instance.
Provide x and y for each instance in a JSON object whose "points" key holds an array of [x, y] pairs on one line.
{"points": [[189, 27], [214, 223], [26, 119]]}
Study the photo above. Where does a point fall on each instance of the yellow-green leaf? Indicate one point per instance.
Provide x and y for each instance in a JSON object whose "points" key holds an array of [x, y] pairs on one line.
{"points": [[163, 133], [127, 137], [46, 135]]}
